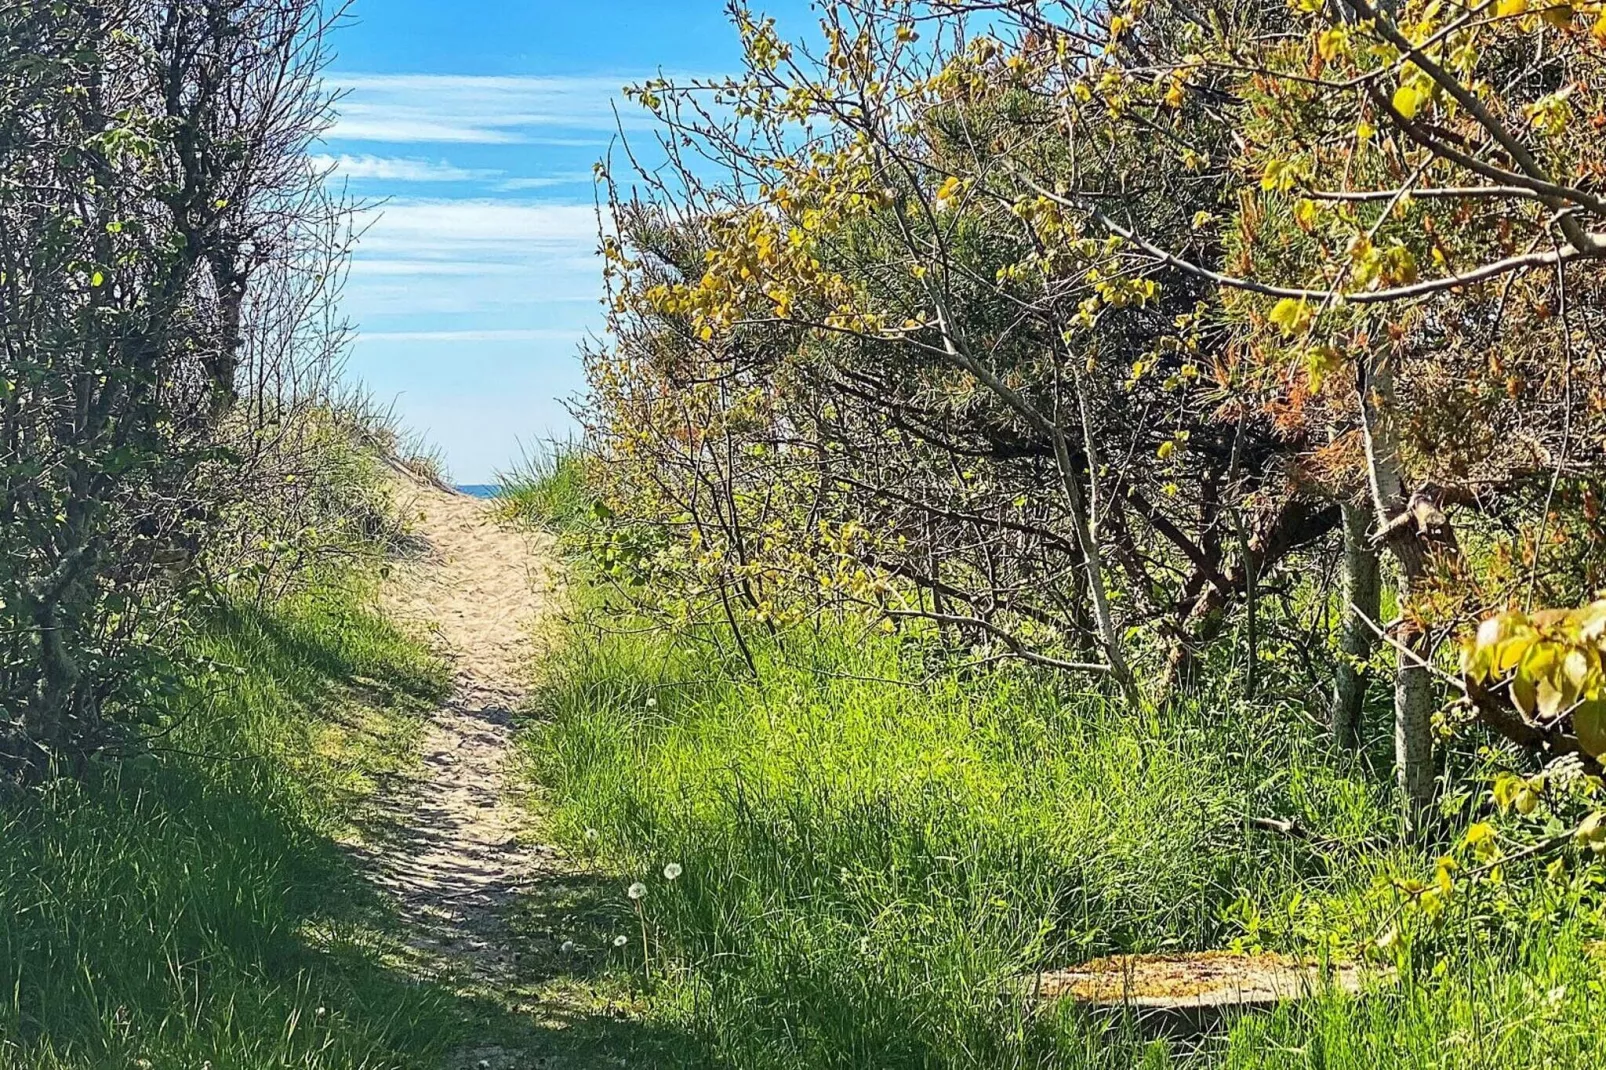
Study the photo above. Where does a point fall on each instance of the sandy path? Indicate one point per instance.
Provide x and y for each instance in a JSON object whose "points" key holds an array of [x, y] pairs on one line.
{"points": [[450, 850]]}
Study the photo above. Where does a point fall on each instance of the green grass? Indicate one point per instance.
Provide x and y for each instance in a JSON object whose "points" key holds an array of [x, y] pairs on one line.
{"points": [[193, 906], [870, 857], [547, 488]]}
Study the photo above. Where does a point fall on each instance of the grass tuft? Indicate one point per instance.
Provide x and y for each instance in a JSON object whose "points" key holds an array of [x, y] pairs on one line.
{"points": [[547, 488]]}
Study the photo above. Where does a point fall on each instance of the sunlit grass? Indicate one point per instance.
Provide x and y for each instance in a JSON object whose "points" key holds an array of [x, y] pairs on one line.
{"points": [[546, 488], [192, 907], [871, 857]]}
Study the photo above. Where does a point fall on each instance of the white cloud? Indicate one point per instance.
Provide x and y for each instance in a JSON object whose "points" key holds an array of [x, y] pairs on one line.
{"points": [[447, 229], [574, 178], [424, 108], [397, 168], [474, 264]]}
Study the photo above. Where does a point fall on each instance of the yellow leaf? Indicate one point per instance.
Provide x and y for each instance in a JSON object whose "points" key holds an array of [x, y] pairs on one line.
{"points": [[1320, 362], [1591, 621], [1538, 664], [1524, 695], [1167, 448], [1477, 661], [1589, 725], [1496, 629], [1577, 668], [1507, 8], [1407, 99], [1332, 42], [1509, 653], [1554, 697], [1291, 314]]}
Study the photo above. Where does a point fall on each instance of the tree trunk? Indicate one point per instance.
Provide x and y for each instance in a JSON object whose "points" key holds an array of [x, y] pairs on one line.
{"points": [[1202, 626], [1093, 568], [1412, 527], [1084, 515], [1357, 639], [1413, 714]]}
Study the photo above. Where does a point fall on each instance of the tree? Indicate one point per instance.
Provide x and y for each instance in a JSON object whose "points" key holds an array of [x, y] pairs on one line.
{"points": [[151, 159], [1080, 328], [966, 365], [1374, 148]]}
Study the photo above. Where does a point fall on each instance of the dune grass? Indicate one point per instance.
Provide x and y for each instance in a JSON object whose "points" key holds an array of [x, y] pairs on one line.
{"points": [[192, 906], [871, 855], [546, 488]]}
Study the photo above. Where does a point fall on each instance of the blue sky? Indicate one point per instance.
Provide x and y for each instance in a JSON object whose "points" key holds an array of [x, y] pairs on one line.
{"points": [[478, 123]]}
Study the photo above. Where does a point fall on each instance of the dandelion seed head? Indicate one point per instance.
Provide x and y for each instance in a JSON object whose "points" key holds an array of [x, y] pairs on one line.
{"points": [[652, 702], [637, 890], [672, 871], [567, 947], [621, 940]]}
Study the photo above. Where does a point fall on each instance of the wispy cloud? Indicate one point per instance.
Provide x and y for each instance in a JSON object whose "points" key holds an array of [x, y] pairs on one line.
{"points": [[576, 178], [455, 108], [477, 230], [398, 168], [474, 258]]}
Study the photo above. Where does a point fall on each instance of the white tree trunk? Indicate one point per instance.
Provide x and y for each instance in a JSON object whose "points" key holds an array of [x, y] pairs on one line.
{"points": [[1414, 702], [1357, 639], [1413, 684]]}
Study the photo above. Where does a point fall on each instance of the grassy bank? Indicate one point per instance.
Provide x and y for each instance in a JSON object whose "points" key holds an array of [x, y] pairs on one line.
{"points": [[192, 906], [870, 854]]}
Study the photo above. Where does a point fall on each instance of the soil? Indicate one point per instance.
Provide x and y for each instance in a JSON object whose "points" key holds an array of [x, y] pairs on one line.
{"points": [[454, 847]]}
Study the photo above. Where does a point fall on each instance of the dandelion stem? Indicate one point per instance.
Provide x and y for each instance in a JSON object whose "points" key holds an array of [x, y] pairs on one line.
{"points": [[646, 958]]}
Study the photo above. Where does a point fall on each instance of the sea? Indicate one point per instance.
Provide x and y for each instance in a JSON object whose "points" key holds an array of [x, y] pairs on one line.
{"points": [[481, 490]]}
